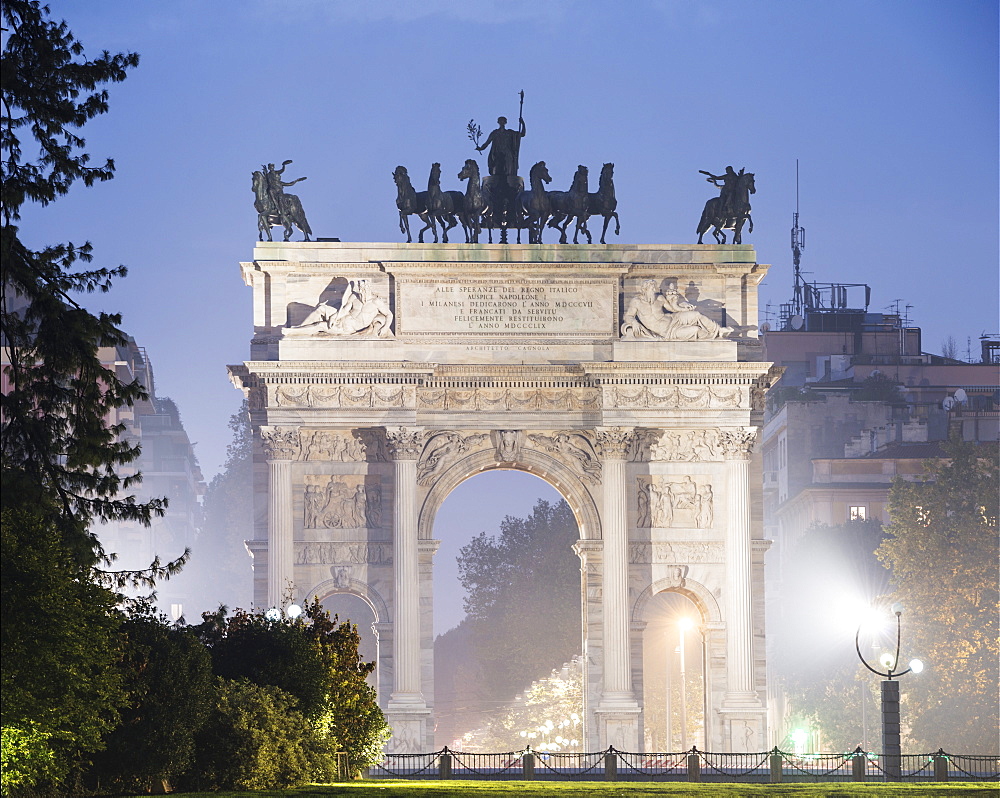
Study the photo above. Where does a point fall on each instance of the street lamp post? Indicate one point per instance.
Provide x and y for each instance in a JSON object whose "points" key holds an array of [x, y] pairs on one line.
{"points": [[891, 750]]}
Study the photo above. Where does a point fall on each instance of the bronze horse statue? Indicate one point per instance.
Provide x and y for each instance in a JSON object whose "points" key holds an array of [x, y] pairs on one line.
{"points": [[571, 204], [409, 201], [534, 203], [603, 202], [444, 206], [733, 220], [475, 204], [269, 214]]}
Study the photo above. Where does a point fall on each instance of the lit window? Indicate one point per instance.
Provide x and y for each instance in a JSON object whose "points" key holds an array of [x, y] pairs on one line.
{"points": [[859, 512]]}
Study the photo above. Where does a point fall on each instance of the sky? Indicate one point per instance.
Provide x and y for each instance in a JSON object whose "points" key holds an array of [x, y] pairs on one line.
{"points": [[890, 108]]}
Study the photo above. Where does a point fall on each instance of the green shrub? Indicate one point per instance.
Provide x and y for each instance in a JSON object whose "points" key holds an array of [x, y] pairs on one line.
{"points": [[256, 739], [26, 757], [167, 673]]}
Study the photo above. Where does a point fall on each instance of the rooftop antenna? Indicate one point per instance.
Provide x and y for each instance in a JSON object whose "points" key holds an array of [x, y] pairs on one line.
{"points": [[798, 244]]}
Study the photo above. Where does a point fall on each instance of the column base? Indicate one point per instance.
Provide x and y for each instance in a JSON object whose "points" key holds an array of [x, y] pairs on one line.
{"points": [[618, 722], [406, 702], [410, 727], [734, 701]]}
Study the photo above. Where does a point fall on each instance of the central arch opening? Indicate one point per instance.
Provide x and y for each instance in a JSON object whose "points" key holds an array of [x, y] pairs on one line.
{"points": [[507, 616], [673, 674]]}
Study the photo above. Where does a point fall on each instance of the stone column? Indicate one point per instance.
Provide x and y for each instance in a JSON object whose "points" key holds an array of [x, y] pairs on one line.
{"points": [[281, 447], [745, 718], [618, 708], [407, 710]]}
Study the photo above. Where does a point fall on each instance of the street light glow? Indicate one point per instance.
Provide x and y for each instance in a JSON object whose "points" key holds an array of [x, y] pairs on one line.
{"points": [[293, 611], [916, 665]]}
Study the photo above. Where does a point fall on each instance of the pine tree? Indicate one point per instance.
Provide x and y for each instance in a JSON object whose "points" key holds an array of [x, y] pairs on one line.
{"points": [[62, 465], [60, 454]]}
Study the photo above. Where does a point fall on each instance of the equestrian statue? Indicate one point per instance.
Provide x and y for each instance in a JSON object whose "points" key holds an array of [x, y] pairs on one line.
{"points": [[275, 207], [731, 209]]}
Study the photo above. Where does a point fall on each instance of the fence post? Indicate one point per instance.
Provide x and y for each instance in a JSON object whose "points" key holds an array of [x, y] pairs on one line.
{"points": [[528, 764], [444, 765], [610, 765], [776, 766], [858, 762], [940, 765], [694, 766]]}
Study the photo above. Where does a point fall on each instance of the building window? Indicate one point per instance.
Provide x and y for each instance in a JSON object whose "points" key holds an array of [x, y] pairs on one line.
{"points": [[858, 512]]}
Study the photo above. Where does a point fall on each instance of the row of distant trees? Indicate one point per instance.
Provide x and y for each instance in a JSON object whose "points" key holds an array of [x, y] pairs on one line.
{"points": [[98, 691]]}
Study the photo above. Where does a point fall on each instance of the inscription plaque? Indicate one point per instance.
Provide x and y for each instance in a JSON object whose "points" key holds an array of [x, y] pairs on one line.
{"points": [[508, 307]]}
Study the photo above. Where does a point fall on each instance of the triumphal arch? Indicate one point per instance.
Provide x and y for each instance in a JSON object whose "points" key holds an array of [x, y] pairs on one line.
{"points": [[628, 377]]}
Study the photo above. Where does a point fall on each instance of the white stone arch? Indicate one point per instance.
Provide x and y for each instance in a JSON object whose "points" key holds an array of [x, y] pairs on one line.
{"points": [[699, 595], [354, 587], [560, 476]]}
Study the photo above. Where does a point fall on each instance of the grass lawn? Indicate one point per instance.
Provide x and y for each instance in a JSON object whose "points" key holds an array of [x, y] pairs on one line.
{"points": [[371, 788]]}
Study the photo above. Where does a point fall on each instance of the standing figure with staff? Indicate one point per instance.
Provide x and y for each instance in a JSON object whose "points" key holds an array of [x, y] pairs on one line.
{"points": [[503, 184], [505, 146]]}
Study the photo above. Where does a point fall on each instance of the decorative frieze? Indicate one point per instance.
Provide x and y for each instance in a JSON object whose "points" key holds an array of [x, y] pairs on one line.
{"points": [[685, 446], [509, 399], [341, 553], [322, 445], [684, 502], [332, 445], [676, 397], [680, 552], [346, 397]]}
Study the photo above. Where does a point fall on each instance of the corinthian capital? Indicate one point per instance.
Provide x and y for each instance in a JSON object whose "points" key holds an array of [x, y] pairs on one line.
{"points": [[404, 443], [737, 444], [280, 443], [613, 442]]}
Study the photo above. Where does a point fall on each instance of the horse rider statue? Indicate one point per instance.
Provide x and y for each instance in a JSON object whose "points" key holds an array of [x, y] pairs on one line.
{"points": [[276, 186], [727, 183]]}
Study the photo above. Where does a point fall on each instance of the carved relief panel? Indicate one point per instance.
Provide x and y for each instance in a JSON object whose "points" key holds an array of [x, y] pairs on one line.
{"points": [[668, 501], [341, 502]]}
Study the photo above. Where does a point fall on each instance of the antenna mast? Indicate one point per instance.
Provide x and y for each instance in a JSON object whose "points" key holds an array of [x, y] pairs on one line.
{"points": [[798, 244]]}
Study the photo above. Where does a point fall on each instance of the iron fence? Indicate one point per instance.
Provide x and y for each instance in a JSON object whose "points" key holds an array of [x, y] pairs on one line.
{"points": [[695, 766]]}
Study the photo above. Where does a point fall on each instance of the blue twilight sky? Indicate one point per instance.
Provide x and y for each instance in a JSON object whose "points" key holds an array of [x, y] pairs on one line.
{"points": [[890, 106]]}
